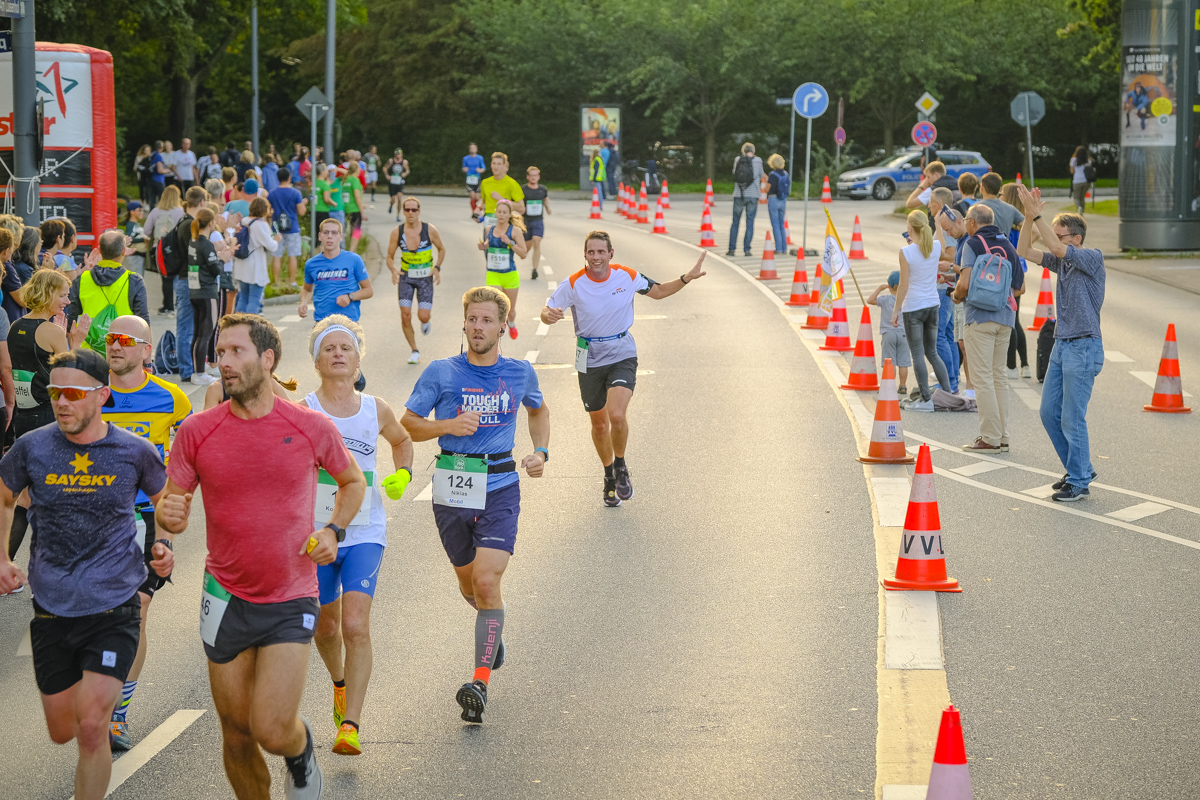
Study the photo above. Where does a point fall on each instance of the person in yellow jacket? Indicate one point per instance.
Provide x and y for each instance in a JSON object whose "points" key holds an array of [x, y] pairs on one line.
{"points": [[106, 291], [597, 174]]}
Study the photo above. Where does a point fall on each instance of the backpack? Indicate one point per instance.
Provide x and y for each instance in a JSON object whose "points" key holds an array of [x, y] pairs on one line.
{"points": [[242, 237], [171, 254], [166, 359], [991, 279], [1089, 172], [785, 185], [103, 319], [743, 172]]}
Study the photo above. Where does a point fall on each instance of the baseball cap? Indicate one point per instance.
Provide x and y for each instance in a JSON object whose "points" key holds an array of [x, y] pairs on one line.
{"points": [[133, 205], [894, 279], [250, 186], [85, 360]]}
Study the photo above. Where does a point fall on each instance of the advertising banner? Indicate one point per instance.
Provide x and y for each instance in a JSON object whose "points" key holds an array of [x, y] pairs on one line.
{"points": [[599, 126], [1148, 99]]}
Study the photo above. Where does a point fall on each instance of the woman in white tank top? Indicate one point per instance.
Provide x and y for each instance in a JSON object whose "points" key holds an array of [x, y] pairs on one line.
{"points": [[347, 586], [917, 298]]}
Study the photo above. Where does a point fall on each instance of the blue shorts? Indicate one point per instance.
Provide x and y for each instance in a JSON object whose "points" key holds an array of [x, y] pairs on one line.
{"points": [[356, 569], [495, 526], [536, 226]]}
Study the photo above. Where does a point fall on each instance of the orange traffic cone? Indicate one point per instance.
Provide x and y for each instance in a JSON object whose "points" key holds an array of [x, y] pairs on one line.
{"points": [[706, 228], [1168, 387], [767, 272], [817, 318], [950, 778], [856, 242], [887, 432], [621, 199], [643, 212], [1045, 304], [708, 195], [826, 194], [862, 368], [787, 231], [799, 283], [595, 204], [660, 224], [1018, 178], [837, 335], [1087, 195], [922, 562], [762, 191], [665, 197]]}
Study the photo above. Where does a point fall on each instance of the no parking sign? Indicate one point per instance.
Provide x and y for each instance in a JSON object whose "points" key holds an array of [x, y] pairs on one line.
{"points": [[924, 134]]}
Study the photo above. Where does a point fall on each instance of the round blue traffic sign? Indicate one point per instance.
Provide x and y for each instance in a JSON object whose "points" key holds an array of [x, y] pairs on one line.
{"points": [[924, 134], [810, 100]]}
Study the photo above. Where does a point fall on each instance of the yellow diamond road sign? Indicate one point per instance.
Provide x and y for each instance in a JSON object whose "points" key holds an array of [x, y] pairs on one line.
{"points": [[927, 103]]}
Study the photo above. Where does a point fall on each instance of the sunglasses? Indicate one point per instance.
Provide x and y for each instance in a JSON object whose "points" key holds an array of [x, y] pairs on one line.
{"points": [[412, 210], [72, 393], [123, 339]]}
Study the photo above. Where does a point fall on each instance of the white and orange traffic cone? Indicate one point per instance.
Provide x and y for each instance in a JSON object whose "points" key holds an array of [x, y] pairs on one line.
{"points": [[787, 231], [762, 191], [766, 272], [621, 199], [817, 318], [837, 335], [1018, 178], [799, 297], [863, 376], [921, 564], [950, 777], [887, 431], [1168, 387], [643, 211], [709, 200], [595, 204], [856, 242], [826, 194], [660, 223], [1045, 304], [706, 228], [665, 196]]}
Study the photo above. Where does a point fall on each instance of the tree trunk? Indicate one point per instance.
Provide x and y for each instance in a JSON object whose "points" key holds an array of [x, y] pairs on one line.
{"points": [[710, 152]]}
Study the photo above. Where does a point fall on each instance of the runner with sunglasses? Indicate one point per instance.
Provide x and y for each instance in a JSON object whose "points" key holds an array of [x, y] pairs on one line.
{"points": [[84, 476], [418, 273], [152, 408]]}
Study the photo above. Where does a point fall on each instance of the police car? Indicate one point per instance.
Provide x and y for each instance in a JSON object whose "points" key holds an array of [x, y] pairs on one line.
{"points": [[902, 173]]}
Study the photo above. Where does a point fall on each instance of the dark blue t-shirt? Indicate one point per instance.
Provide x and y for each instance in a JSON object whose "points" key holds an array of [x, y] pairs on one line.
{"points": [[155, 175], [16, 275], [86, 556], [450, 386], [332, 278], [284, 200]]}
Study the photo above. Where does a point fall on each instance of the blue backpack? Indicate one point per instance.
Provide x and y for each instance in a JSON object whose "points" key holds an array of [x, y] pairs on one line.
{"points": [[785, 185], [166, 359], [991, 279], [242, 237]]}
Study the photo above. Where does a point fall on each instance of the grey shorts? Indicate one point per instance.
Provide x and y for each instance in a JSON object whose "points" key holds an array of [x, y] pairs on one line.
{"points": [[960, 318], [421, 287], [246, 625], [291, 244], [895, 347]]}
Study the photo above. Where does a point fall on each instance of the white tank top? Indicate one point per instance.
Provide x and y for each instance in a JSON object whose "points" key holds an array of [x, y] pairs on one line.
{"points": [[922, 277], [361, 435]]}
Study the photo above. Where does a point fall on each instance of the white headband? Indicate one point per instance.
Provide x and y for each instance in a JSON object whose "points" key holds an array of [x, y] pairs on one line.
{"points": [[321, 337]]}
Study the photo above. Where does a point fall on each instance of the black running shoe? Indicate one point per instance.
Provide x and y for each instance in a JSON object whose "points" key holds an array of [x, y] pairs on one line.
{"points": [[610, 493], [473, 699], [1065, 480], [498, 661], [1069, 493], [624, 485], [534, 275]]}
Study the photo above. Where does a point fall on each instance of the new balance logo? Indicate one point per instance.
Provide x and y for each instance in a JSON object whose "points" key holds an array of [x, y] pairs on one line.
{"points": [[287, 440]]}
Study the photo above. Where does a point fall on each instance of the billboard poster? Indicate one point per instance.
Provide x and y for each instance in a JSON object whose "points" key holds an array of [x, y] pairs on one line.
{"points": [[599, 126], [1148, 100]]}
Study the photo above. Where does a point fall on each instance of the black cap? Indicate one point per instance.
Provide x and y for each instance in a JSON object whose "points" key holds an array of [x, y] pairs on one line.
{"points": [[85, 360]]}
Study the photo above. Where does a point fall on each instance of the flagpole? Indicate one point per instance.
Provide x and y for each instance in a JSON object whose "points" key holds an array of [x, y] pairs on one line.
{"points": [[851, 270]]}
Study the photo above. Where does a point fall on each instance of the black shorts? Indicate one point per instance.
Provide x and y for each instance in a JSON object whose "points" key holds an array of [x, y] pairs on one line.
{"points": [[395, 189], [65, 647], [153, 583], [247, 625], [473, 189], [354, 220], [595, 383]]}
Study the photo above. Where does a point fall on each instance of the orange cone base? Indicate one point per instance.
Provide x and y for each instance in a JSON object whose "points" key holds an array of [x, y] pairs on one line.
{"points": [[1037, 325], [1167, 409], [907, 459], [845, 347], [797, 303], [820, 324], [768, 275], [862, 383], [947, 585]]}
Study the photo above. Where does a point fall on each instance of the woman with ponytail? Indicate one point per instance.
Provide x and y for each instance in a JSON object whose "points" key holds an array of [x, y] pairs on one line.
{"points": [[917, 298], [204, 275]]}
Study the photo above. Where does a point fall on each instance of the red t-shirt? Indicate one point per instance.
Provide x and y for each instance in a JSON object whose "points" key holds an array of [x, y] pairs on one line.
{"points": [[260, 483]]}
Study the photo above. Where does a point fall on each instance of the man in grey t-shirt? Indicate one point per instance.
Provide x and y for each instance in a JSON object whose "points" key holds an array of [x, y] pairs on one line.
{"points": [[1004, 215], [745, 196], [1078, 354]]}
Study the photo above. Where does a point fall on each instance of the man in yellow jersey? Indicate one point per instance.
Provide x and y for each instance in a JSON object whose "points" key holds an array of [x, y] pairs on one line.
{"points": [[150, 407], [498, 186]]}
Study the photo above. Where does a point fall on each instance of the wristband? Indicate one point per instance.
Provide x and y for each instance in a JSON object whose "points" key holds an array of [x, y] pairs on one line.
{"points": [[1039, 216], [683, 279], [545, 453], [166, 542]]}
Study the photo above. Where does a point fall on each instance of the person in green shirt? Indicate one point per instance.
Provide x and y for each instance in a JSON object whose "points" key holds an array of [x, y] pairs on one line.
{"points": [[322, 202], [352, 198]]}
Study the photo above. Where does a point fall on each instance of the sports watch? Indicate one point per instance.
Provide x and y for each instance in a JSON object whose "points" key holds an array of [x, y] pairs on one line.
{"points": [[340, 532]]}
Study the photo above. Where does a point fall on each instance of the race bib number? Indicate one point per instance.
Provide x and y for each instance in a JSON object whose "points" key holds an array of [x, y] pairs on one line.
{"points": [[499, 259], [460, 482], [581, 354], [472, 180], [139, 524], [533, 208], [214, 599], [489, 220], [397, 179], [327, 493], [420, 272], [23, 382], [193, 276]]}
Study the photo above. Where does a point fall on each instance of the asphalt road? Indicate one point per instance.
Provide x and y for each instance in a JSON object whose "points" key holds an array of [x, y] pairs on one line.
{"points": [[718, 634]]}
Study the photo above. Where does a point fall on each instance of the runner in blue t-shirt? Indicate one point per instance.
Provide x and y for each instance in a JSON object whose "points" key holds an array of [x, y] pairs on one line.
{"points": [[335, 280], [473, 166], [476, 491]]}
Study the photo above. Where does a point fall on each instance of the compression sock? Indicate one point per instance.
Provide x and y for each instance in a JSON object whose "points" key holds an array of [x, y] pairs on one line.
{"points": [[489, 625], [619, 463], [610, 470], [126, 697], [20, 525]]}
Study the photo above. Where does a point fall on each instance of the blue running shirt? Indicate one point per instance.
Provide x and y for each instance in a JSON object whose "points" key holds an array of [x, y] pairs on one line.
{"points": [[331, 278]]}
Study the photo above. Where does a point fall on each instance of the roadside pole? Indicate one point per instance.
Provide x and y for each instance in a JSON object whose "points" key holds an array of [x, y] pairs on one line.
{"points": [[26, 195], [330, 70], [810, 100], [314, 105], [1029, 142], [254, 78], [1027, 109]]}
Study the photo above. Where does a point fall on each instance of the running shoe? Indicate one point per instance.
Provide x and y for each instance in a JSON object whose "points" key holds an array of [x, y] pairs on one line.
{"points": [[20, 588], [426, 327], [533, 277], [624, 485], [1025, 373], [339, 705], [610, 493], [512, 331], [1065, 480], [200, 379], [473, 699], [498, 661], [119, 736], [1069, 493], [415, 358], [346, 743], [304, 781]]}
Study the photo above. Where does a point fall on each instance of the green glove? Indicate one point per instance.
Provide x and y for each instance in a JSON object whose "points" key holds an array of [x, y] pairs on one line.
{"points": [[396, 483]]}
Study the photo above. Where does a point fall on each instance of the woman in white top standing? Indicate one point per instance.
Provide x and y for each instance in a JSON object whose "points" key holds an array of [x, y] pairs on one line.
{"points": [[347, 586], [917, 298], [251, 273], [1079, 180]]}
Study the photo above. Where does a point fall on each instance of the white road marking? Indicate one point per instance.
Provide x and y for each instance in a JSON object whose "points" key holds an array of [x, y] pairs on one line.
{"points": [[1134, 513], [978, 468], [424, 494], [1041, 492], [861, 415], [290, 318], [548, 268], [1028, 396], [543, 329], [551, 285], [800, 318], [816, 336], [895, 791], [1117, 356], [25, 648], [532, 356], [1149, 378], [148, 748], [834, 370], [916, 448], [912, 631], [891, 499], [281, 328]]}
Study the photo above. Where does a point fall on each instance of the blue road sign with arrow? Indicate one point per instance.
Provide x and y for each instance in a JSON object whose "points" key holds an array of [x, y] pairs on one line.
{"points": [[810, 100]]}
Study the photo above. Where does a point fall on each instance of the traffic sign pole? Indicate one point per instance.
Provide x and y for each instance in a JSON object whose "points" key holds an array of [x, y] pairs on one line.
{"points": [[807, 161], [810, 100], [1029, 142], [792, 146]]}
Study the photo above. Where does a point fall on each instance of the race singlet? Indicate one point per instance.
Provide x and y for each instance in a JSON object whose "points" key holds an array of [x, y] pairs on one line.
{"points": [[499, 259], [214, 599], [23, 381], [397, 174], [418, 264], [533, 208], [460, 482], [327, 493]]}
